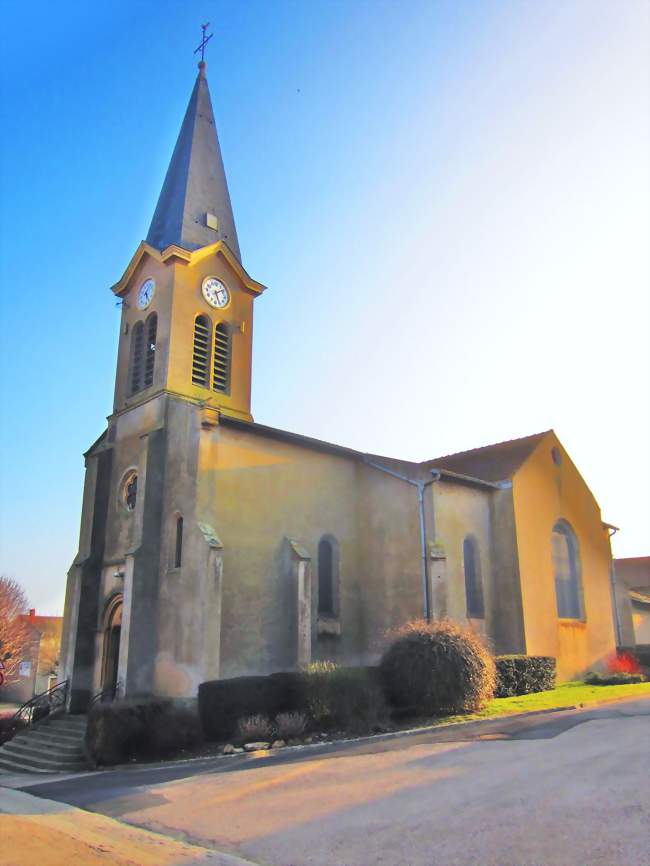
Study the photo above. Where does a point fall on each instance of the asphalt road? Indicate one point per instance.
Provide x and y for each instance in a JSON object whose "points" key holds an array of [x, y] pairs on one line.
{"points": [[566, 789]]}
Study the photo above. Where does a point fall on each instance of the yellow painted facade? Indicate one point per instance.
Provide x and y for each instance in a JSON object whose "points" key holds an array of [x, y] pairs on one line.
{"points": [[545, 492]]}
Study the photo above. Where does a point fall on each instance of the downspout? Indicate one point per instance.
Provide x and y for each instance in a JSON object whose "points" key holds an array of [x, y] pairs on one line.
{"points": [[421, 487], [612, 579]]}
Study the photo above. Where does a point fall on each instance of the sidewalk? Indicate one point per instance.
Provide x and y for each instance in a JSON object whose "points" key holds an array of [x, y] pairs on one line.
{"points": [[37, 832]]}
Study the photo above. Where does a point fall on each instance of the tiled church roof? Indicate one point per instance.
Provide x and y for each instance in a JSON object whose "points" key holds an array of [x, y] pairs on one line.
{"points": [[491, 462]]}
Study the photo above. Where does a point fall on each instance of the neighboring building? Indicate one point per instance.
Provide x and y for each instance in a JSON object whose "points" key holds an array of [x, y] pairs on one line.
{"points": [[213, 546], [38, 668], [633, 600]]}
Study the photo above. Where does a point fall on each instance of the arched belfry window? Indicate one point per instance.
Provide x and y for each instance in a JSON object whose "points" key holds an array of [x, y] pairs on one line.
{"points": [[136, 372], [328, 577], [202, 351], [221, 371], [473, 579], [151, 328], [566, 564]]}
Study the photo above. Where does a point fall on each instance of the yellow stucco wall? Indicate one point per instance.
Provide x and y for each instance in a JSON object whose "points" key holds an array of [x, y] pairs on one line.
{"points": [[544, 493]]}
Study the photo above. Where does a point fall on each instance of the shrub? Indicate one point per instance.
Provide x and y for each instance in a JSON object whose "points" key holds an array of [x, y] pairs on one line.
{"points": [[342, 697], [330, 696], [287, 693], [131, 729], [223, 702], [177, 728], [437, 668], [623, 662], [618, 678], [254, 728], [289, 726], [522, 675]]}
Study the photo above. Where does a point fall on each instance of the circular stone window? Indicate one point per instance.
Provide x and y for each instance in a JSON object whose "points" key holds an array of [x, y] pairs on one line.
{"points": [[556, 454], [129, 492]]}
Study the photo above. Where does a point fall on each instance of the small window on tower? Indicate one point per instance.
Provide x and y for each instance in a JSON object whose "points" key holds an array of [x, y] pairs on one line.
{"points": [[221, 374], [202, 352]]}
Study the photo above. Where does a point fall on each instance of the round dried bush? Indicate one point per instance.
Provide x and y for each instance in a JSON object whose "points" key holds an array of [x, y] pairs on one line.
{"points": [[437, 668]]}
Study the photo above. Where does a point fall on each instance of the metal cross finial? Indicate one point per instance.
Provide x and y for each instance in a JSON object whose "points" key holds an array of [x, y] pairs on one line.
{"points": [[204, 41]]}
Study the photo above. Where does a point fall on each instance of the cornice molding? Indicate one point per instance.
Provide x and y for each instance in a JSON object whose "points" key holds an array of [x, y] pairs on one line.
{"points": [[174, 253]]}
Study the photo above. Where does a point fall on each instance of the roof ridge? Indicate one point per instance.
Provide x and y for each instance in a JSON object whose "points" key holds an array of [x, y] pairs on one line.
{"points": [[491, 445]]}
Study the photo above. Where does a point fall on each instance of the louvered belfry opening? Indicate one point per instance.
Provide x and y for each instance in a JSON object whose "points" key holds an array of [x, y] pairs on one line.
{"points": [[201, 353], [221, 372], [150, 352], [137, 358]]}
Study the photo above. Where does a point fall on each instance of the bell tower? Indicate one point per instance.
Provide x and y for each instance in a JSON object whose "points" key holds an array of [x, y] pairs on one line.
{"points": [[147, 539], [187, 301]]}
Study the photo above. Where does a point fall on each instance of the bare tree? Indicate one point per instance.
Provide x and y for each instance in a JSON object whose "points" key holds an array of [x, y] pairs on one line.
{"points": [[15, 634]]}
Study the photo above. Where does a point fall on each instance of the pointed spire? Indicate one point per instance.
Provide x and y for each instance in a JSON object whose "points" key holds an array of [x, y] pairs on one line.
{"points": [[194, 206]]}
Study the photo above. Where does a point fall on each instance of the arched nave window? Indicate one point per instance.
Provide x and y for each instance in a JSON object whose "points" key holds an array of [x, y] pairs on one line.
{"points": [[327, 577], [566, 564], [473, 579]]}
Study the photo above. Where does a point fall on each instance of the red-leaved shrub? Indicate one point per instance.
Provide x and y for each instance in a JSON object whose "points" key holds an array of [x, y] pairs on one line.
{"points": [[623, 663]]}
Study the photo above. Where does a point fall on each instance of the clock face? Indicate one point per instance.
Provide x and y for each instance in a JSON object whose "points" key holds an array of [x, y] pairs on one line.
{"points": [[215, 293], [146, 293]]}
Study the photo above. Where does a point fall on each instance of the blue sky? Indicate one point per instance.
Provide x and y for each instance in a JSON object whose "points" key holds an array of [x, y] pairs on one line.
{"points": [[447, 200]]}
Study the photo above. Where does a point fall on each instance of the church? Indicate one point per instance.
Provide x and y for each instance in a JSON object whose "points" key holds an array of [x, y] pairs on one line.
{"points": [[213, 546]]}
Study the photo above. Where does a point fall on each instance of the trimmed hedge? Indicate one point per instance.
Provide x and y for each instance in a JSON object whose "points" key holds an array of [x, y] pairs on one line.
{"points": [[330, 696], [437, 668], [223, 702], [345, 698], [618, 678], [522, 675], [130, 729]]}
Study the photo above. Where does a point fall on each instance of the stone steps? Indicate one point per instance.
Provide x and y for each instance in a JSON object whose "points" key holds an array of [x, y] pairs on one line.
{"points": [[52, 746], [45, 744]]}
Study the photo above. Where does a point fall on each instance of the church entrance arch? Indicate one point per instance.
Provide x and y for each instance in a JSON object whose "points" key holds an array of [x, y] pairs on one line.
{"points": [[112, 631]]}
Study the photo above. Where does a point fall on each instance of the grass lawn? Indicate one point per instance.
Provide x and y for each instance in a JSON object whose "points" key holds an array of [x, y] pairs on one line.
{"points": [[565, 695]]}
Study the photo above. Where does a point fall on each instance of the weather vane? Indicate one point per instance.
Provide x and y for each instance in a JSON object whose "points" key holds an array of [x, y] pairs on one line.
{"points": [[204, 41]]}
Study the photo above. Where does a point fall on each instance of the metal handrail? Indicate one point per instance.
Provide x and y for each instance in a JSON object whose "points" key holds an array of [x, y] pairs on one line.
{"points": [[42, 705]]}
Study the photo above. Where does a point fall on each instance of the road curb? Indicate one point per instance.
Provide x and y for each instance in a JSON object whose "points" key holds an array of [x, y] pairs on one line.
{"points": [[246, 757]]}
